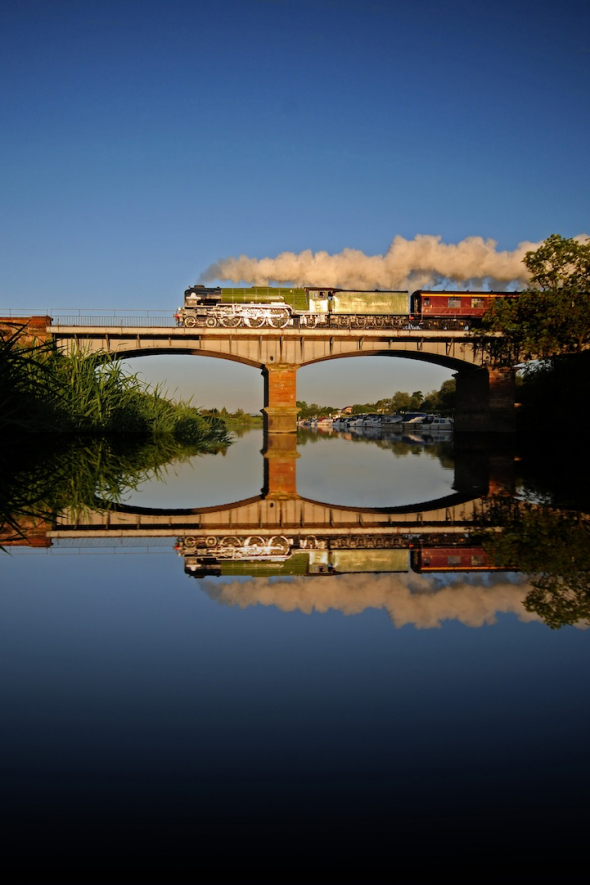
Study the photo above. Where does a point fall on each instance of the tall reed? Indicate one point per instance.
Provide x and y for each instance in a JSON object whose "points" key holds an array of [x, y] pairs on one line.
{"points": [[44, 390]]}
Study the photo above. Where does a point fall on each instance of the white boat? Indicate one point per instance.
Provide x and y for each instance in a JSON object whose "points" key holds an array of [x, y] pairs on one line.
{"points": [[415, 423], [436, 424]]}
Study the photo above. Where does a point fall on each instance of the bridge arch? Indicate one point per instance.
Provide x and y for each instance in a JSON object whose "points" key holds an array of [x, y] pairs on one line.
{"points": [[136, 352], [446, 362]]}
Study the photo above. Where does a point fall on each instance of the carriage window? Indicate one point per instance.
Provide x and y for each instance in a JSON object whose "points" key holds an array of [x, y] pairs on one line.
{"points": [[427, 302], [477, 302], [454, 302], [454, 560]]}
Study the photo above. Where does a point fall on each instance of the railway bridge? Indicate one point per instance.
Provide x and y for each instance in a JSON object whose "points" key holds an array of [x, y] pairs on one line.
{"points": [[485, 396]]}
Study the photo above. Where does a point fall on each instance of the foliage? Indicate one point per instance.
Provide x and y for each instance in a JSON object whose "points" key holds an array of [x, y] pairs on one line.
{"points": [[550, 318], [442, 400], [553, 548], [26, 389], [314, 411], [48, 475], [43, 390]]}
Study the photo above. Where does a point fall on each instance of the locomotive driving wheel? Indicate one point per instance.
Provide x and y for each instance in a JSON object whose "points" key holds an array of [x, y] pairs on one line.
{"points": [[190, 321], [279, 318], [255, 319], [230, 322], [280, 544], [230, 541], [210, 322]]}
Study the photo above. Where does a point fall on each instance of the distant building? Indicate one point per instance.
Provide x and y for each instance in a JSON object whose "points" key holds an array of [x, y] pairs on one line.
{"points": [[347, 410]]}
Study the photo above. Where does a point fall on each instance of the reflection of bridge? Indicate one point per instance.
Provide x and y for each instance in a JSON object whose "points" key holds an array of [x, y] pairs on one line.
{"points": [[281, 532], [485, 397]]}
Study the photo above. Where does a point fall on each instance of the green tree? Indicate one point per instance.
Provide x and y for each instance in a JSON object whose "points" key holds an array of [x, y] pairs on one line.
{"points": [[416, 400], [400, 401], [552, 547], [550, 318]]}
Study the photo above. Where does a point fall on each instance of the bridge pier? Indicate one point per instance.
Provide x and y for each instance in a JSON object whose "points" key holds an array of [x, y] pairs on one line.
{"points": [[280, 392], [280, 465], [485, 401]]}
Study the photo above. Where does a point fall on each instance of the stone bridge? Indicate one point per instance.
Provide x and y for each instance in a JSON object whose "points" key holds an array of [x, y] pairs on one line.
{"points": [[485, 397]]}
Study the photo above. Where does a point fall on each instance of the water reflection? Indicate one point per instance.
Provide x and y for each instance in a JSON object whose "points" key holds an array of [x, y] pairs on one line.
{"points": [[459, 517], [419, 600], [242, 720]]}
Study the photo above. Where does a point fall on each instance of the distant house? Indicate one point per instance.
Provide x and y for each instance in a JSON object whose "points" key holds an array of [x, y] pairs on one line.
{"points": [[347, 410]]}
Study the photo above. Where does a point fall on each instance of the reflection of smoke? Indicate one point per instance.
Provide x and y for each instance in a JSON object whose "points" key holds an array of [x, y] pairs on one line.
{"points": [[409, 599], [408, 264]]}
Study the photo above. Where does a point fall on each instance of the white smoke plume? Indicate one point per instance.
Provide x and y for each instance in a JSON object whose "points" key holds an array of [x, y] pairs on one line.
{"points": [[421, 600], [424, 262]]}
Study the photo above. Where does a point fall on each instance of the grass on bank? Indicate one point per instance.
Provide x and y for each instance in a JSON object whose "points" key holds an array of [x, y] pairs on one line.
{"points": [[43, 390]]}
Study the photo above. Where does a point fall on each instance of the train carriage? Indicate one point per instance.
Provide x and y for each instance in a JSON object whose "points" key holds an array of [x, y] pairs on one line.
{"points": [[452, 309]]}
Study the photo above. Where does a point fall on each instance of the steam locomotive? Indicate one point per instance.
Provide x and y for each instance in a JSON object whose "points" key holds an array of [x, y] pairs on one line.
{"points": [[311, 307]]}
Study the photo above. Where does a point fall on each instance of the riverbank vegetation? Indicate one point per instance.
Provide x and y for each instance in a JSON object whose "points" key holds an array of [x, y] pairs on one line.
{"points": [[45, 391], [442, 401], [552, 317], [234, 421], [546, 331]]}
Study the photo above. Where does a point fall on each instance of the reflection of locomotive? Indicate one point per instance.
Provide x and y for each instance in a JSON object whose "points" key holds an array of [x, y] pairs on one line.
{"points": [[269, 555], [345, 308], [280, 555]]}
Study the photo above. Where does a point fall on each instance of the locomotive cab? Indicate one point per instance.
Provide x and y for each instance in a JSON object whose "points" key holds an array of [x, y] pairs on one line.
{"points": [[198, 295]]}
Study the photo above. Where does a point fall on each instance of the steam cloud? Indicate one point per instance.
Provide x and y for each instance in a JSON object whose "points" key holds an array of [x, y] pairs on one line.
{"points": [[408, 599], [423, 262]]}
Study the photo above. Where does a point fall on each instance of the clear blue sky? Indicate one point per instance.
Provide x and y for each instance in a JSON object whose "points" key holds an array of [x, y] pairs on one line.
{"points": [[143, 141]]}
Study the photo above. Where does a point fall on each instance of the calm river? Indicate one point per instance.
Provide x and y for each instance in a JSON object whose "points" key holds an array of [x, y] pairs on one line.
{"points": [[329, 675]]}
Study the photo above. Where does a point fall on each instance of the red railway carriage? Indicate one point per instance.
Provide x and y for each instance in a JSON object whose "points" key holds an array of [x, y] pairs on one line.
{"points": [[452, 559], [450, 309]]}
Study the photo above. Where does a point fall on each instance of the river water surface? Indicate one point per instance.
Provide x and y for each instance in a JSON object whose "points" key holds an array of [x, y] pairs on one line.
{"points": [[331, 704]]}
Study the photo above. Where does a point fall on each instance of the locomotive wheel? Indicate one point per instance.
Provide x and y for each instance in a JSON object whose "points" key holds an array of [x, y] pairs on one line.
{"points": [[189, 541], [230, 322], [311, 321], [189, 322], [255, 321], [230, 541], [254, 542], [280, 543], [210, 322], [279, 318]]}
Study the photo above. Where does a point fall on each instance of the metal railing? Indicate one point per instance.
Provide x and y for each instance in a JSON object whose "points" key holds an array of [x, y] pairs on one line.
{"points": [[65, 316]]}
